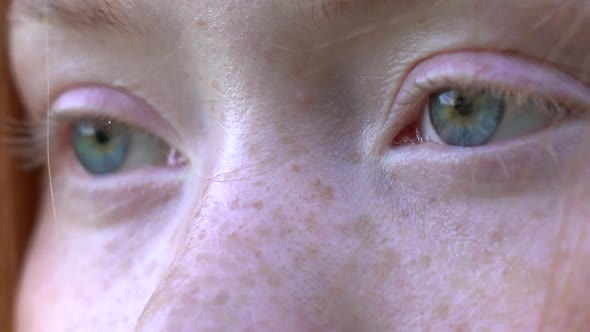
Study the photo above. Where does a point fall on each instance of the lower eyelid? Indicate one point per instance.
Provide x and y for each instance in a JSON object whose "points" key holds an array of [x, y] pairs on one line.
{"points": [[536, 158]]}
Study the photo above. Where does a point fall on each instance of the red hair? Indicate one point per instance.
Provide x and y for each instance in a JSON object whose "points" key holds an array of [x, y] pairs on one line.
{"points": [[18, 191]]}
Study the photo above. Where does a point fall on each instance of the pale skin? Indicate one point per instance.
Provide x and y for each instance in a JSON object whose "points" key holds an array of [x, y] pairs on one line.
{"points": [[294, 212]]}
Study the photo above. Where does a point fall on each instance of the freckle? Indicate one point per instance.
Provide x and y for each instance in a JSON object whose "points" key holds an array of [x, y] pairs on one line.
{"points": [[296, 168], [190, 296], [215, 85], [287, 140], [366, 230], [274, 280], [258, 205], [345, 230], [311, 223], [353, 158], [296, 70], [405, 213], [350, 268], [496, 236], [538, 214], [389, 261], [298, 261], [313, 251], [248, 280], [253, 149], [326, 192], [461, 327], [277, 214], [201, 23], [235, 204], [263, 231], [221, 298], [425, 261], [259, 183], [432, 200], [203, 258], [442, 311], [286, 230], [257, 253], [111, 246]]}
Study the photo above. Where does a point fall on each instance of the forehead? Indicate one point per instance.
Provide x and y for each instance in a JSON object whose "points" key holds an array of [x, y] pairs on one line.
{"points": [[121, 12], [114, 10], [545, 27]]}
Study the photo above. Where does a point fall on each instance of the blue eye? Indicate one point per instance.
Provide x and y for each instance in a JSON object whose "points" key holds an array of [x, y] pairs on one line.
{"points": [[466, 119], [474, 117], [101, 146], [104, 147]]}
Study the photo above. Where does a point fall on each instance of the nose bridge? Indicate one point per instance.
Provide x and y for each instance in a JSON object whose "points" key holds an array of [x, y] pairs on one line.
{"points": [[254, 255]]}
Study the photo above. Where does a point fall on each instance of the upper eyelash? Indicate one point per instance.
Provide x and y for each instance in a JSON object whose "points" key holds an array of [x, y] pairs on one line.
{"points": [[26, 139], [420, 92]]}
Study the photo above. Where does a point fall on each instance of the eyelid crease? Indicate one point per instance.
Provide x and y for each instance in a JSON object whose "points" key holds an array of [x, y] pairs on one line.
{"points": [[335, 8], [471, 71], [317, 10]]}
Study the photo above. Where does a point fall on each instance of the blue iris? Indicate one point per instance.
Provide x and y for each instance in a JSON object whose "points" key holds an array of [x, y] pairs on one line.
{"points": [[466, 119], [101, 146]]}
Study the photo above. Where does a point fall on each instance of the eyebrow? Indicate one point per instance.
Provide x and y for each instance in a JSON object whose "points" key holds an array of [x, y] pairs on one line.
{"points": [[115, 14], [335, 8], [105, 14], [340, 7]]}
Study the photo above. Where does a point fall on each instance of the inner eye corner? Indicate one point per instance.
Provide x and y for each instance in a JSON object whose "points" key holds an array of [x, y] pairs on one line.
{"points": [[410, 135]]}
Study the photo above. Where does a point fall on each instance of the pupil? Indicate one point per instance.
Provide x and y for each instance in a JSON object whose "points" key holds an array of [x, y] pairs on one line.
{"points": [[102, 137], [463, 108]]}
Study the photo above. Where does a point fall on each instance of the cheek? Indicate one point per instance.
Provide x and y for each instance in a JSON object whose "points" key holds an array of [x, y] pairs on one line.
{"points": [[83, 271], [290, 247]]}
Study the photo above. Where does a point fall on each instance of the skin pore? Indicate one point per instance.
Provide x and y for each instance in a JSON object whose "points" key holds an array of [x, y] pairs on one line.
{"points": [[290, 208]]}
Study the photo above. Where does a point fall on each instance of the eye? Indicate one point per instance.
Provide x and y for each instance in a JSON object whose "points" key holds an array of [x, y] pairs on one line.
{"points": [[461, 119], [469, 118], [104, 146]]}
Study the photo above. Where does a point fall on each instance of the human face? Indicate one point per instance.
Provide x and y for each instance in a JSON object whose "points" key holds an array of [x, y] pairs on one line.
{"points": [[307, 165]]}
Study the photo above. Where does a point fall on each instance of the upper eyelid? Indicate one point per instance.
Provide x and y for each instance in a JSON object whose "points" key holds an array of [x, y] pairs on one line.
{"points": [[111, 103], [502, 72]]}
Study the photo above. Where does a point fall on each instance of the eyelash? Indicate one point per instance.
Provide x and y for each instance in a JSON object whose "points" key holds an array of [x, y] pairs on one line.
{"points": [[30, 139], [27, 139], [422, 91], [416, 99]]}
